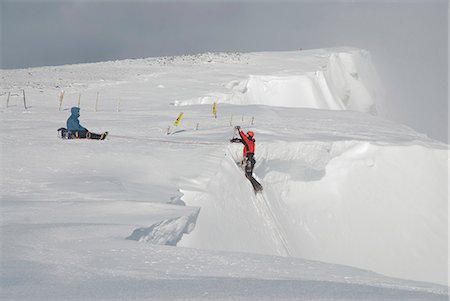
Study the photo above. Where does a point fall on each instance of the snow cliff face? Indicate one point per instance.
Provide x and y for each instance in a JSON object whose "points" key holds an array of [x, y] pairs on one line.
{"points": [[346, 82]]}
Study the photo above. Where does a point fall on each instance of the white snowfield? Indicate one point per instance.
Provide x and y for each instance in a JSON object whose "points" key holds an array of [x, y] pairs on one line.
{"points": [[354, 207]]}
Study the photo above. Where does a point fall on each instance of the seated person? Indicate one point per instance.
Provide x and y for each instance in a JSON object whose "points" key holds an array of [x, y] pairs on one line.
{"points": [[77, 131]]}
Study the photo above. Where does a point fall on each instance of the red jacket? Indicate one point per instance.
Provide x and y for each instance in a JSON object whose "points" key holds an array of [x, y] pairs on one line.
{"points": [[249, 143]]}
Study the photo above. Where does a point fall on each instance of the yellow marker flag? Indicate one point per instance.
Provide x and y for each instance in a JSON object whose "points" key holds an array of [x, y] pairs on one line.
{"points": [[177, 121], [214, 110]]}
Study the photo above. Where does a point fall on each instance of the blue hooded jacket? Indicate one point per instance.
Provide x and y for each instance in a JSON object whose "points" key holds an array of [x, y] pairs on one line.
{"points": [[73, 124]]}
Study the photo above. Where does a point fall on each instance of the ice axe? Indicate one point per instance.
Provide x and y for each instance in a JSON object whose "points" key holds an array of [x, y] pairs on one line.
{"points": [[235, 133]]}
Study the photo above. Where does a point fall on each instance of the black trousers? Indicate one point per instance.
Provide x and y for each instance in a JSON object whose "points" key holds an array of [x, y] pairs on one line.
{"points": [[249, 165], [85, 134]]}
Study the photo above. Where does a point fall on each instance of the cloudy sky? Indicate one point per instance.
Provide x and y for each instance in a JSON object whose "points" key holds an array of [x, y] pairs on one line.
{"points": [[408, 39]]}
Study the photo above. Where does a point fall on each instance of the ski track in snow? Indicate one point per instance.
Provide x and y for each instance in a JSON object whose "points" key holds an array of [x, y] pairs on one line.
{"points": [[339, 185]]}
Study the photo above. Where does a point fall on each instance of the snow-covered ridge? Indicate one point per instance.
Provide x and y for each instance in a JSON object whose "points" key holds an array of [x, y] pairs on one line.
{"points": [[78, 77], [340, 185]]}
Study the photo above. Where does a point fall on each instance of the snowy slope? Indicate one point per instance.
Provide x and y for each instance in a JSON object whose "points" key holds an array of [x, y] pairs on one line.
{"points": [[90, 219]]}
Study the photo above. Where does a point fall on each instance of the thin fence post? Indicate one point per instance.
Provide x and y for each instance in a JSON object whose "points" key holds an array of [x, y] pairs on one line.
{"points": [[96, 102], [242, 117], [253, 119], [24, 100], [7, 100], [79, 100], [118, 105], [61, 99], [196, 127]]}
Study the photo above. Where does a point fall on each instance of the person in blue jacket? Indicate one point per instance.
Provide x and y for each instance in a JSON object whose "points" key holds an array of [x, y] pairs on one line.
{"points": [[77, 131], [73, 124]]}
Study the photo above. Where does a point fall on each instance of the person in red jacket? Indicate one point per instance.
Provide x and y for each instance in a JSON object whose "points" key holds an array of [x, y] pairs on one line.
{"points": [[248, 151]]}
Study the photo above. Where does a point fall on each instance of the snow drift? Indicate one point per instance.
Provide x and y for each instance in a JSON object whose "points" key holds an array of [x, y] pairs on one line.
{"points": [[353, 203], [344, 80]]}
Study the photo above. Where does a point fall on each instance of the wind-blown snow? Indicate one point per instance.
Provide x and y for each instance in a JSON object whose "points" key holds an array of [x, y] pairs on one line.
{"points": [[344, 191]]}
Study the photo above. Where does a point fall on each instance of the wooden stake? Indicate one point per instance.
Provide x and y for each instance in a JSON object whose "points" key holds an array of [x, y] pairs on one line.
{"points": [[7, 100], [253, 119], [24, 100], [96, 102], [118, 105], [79, 100], [61, 99]]}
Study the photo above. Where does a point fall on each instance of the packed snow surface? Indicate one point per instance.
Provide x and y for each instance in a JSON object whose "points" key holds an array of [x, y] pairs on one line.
{"points": [[354, 207]]}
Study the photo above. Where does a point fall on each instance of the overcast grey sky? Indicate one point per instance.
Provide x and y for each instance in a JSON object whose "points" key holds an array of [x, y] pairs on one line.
{"points": [[408, 39]]}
